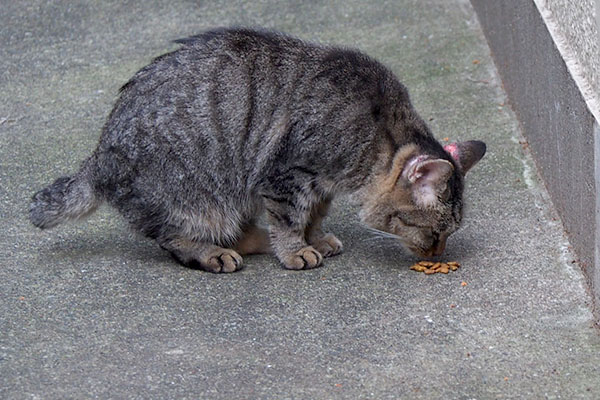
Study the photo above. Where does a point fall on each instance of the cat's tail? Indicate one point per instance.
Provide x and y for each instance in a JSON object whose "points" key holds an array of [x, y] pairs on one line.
{"points": [[69, 197]]}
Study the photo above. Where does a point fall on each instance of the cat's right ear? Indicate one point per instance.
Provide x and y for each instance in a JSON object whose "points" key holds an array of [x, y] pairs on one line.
{"points": [[466, 154]]}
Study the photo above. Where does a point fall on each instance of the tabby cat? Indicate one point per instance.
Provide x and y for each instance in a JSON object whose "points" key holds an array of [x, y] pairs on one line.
{"points": [[240, 121]]}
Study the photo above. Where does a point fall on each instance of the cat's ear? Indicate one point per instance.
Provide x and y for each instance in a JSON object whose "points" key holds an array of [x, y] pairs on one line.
{"points": [[466, 154], [428, 178]]}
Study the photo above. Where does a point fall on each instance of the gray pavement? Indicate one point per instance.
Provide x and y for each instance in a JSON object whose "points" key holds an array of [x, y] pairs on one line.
{"points": [[91, 310]]}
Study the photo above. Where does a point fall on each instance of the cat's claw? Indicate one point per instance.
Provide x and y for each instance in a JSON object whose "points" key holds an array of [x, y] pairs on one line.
{"points": [[306, 258], [329, 245], [223, 260]]}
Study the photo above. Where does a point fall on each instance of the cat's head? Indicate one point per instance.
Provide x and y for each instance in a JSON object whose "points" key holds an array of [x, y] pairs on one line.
{"points": [[418, 199]]}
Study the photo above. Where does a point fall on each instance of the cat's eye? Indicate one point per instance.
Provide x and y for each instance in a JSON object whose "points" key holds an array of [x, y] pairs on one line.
{"points": [[406, 220]]}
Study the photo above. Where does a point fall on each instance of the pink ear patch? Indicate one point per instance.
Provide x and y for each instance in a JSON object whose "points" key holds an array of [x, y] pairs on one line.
{"points": [[452, 149]]}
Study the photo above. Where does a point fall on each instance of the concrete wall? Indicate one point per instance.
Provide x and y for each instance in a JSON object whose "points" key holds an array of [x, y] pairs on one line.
{"points": [[546, 52], [597, 153], [572, 25]]}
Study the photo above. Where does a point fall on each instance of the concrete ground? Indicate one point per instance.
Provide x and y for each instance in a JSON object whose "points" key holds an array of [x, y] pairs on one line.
{"points": [[91, 310]]}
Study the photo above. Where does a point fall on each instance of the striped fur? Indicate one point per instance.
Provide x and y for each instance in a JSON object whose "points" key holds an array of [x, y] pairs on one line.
{"points": [[237, 122]]}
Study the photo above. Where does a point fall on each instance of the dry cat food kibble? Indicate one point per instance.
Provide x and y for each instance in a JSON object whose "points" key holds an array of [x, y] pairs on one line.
{"points": [[430, 267]]}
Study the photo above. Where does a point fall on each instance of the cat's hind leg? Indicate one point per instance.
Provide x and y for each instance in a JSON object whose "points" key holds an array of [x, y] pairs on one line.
{"points": [[203, 255], [326, 243], [214, 238], [213, 258]]}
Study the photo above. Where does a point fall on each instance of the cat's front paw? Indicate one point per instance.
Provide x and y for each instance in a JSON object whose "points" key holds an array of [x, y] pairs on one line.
{"points": [[306, 258], [328, 245], [222, 260]]}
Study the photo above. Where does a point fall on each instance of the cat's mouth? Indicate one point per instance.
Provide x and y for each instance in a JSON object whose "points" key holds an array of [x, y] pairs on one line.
{"points": [[420, 252], [436, 250]]}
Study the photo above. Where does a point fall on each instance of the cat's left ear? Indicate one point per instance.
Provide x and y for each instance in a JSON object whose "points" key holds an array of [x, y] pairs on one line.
{"points": [[466, 154], [428, 178]]}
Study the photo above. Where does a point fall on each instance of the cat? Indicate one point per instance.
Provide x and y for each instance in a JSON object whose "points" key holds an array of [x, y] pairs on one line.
{"points": [[238, 121]]}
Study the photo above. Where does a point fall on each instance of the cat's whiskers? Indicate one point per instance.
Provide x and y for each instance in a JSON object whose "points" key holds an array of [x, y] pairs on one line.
{"points": [[378, 234]]}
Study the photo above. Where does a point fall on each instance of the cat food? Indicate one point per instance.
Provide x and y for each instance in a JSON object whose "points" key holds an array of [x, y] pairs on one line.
{"points": [[430, 268]]}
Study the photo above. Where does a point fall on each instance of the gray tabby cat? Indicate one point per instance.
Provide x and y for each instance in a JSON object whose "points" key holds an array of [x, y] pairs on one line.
{"points": [[239, 121]]}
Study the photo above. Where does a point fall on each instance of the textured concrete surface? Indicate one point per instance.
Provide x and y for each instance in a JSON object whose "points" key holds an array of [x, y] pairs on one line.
{"points": [[553, 115], [91, 310], [573, 28]]}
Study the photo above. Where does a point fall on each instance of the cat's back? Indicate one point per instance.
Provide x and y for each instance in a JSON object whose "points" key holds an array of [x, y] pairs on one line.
{"points": [[230, 61], [237, 98], [219, 53], [246, 42], [215, 77]]}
